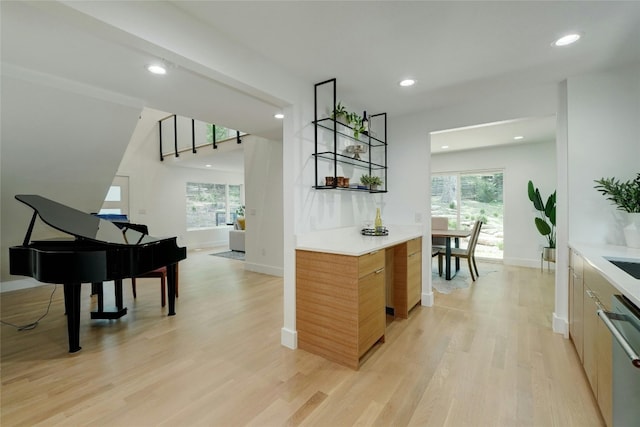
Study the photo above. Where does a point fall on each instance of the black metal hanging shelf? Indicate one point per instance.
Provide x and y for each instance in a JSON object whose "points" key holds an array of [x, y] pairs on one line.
{"points": [[329, 124], [328, 131]]}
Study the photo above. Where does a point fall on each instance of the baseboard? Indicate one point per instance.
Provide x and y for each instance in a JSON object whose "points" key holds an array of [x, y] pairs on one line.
{"points": [[522, 262], [560, 326], [427, 299], [289, 338], [265, 269]]}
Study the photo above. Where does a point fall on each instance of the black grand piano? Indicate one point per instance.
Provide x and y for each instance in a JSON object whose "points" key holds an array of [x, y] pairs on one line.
{"points": [[99, 251]]}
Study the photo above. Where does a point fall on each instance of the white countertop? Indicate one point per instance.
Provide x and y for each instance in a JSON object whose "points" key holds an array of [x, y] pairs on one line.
{"points": [[595, 255], [349, 241]]}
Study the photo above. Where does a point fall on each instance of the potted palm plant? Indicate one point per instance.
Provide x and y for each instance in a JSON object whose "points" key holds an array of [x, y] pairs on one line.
{"points": [[626, 196], [546, 220]]}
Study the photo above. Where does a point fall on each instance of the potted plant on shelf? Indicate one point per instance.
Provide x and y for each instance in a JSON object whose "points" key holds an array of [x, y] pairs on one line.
{"points": [[626, 196], [371, 181], [340, 114], [355, 122], [546, 220]]}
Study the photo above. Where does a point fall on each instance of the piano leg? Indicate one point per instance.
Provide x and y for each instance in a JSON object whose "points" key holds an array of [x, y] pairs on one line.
{"points": [[72, 307], [171, 288], [117, 284], [96, 288]]}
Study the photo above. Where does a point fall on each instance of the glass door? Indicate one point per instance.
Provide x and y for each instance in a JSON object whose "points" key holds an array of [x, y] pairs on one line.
{"points": [[464, 197]]}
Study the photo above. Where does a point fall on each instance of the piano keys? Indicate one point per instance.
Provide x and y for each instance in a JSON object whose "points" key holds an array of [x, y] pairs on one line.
{"points": [[97, 251]]}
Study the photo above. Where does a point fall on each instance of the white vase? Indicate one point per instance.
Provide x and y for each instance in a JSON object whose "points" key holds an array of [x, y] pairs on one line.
{"points": [[631, 230]]}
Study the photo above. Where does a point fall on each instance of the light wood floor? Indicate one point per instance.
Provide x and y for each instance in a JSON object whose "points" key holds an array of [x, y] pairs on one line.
{"points": [[483, 356]]}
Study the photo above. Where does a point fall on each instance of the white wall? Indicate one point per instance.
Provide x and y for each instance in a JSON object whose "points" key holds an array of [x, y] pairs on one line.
{"points": [[521, 163], [264, 199], [603, 141]]}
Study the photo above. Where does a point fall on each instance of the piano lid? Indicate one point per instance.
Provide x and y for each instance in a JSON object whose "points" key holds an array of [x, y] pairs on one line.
{"points": [[81, 224]]}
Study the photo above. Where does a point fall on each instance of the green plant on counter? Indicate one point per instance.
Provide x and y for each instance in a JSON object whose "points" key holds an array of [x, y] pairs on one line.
{"points": [[546, 221], [625, 195]]}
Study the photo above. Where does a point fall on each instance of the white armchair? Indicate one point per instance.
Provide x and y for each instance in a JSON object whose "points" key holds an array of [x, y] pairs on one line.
{"points": [[236, 236]]}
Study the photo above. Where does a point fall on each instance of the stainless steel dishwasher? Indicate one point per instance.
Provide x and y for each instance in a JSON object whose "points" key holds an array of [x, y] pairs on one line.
{"points": [[624, 323]]}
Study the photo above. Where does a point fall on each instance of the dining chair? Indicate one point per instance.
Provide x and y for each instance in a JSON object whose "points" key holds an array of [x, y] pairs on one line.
{"points": [[439, 223], [468, 252]]}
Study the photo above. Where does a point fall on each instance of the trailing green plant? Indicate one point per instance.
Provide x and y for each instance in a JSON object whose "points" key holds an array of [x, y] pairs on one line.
{"points": [[240, 211], [370, 180], [625, 195], [339, 111], [353, 120], [546, 219]]}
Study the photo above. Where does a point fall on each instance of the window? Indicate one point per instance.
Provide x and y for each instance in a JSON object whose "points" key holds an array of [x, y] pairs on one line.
{"points": [[211, 205], [465, 197], [222, 133], [117, 199]]}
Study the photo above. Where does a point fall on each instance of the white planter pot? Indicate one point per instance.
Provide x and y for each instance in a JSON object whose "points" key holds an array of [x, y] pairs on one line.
{"points": [[631, 230], [549, 254]]}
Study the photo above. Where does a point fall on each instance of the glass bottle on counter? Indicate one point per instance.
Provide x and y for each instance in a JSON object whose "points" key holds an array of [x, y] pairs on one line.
{"points": [[378, 221]]}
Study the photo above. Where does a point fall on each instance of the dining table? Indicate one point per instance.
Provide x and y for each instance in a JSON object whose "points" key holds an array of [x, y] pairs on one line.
{"points": [[448, 235]]}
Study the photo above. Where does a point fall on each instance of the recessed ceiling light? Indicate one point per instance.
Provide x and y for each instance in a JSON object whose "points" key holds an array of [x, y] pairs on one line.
{"points": [[157, 69], [207, 166], [279, 116], [407, 82], [567, 40], [444, 147], [518, 137]]}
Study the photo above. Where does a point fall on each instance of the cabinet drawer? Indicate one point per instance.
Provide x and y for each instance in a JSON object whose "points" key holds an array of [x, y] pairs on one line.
{"points": [[414, 246], [370, 262], [598, 285]]}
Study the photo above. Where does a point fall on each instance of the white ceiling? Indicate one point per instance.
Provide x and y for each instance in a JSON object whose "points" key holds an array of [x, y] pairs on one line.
{"points": [[456, 51], [527, 130]]}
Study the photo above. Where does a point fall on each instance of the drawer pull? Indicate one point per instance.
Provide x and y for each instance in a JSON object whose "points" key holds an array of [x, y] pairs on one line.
{"points": [[379, 271]]}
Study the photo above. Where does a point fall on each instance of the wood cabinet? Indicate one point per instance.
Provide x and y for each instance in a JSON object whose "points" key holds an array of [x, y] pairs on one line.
{"points": [[599, 291], [589, 291], [407, 277], [340, 304], [576, 302]]}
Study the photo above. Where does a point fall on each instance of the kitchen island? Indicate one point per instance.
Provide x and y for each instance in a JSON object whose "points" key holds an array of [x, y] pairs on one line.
{"points": [[593, 283], [346, 283]]}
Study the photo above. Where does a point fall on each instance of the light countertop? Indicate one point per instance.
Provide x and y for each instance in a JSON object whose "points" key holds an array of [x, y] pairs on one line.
{"points": [[596, 256], [349, 241]]}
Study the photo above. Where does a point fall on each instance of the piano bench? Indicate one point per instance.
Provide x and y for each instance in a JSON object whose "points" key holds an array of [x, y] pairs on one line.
{"points": [[160, 273]]}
